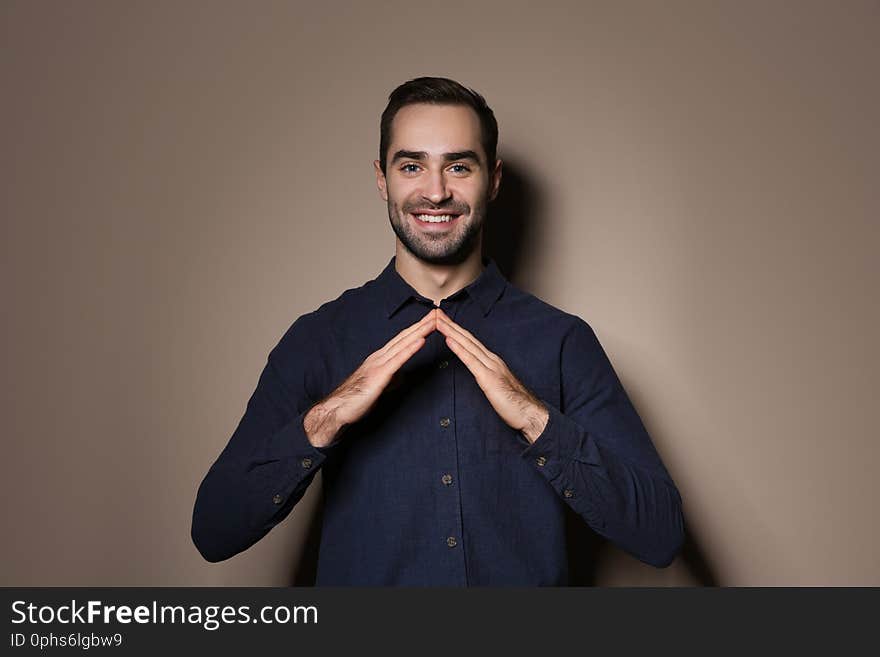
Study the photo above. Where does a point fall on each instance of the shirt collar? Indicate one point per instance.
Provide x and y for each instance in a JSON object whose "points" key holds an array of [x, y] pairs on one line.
{"points": [[485, 290]]}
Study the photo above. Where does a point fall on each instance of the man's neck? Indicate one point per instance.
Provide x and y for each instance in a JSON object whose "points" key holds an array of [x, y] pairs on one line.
{"points": [[437, 282]]}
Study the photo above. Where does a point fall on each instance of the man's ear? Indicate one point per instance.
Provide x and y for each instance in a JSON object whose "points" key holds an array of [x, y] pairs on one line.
{"points": [[381, 183], [495, 184]]}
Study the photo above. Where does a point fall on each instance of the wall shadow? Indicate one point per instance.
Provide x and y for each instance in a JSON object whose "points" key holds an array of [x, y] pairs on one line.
{"points": [[586, 549], [692, 555], [694, 558], [511, 222], [305, 569]]}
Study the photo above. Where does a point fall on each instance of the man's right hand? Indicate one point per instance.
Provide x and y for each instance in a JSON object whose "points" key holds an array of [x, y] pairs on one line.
{"points": [[359, 392]]}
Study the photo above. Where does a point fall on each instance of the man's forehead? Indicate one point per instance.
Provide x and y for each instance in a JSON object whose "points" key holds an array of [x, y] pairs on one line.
{"points": [[435, 129]]}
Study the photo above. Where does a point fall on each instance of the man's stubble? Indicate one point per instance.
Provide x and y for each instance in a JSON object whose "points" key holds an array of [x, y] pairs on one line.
{"points": [[442, 249]]}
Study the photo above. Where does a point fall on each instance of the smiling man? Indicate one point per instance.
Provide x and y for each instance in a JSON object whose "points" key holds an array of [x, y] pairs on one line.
{"points": [[455, 418]]}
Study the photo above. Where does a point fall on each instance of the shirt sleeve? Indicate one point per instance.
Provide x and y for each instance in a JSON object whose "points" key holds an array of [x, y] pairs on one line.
{"points": [[599, 458], [268, 463]]}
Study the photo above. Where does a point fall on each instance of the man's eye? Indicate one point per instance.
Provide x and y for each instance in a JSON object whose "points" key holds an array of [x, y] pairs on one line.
{"points": [[461, 168], [404, 167]]}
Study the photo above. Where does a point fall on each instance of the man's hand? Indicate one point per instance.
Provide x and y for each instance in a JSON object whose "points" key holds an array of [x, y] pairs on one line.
{"points": [[513, 402], [359, 392]]}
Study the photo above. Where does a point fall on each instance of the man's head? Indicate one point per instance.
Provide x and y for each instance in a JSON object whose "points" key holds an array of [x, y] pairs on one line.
{"points": [[437, 157]]}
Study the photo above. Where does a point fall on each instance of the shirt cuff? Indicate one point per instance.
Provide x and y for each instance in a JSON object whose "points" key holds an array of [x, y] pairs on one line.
{"points": [[289, 462], [560, 453], [291, 442], [549, 450]]}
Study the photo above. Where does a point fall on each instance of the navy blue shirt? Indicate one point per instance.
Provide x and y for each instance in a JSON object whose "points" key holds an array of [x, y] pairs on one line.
{"points": [[432, 488]]}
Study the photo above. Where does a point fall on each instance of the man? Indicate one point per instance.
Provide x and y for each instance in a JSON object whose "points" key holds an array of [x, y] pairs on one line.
{"points": [[454, 417]]}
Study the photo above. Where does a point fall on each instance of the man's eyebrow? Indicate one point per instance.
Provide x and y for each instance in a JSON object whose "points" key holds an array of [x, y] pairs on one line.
{"points": [[448, 157]]}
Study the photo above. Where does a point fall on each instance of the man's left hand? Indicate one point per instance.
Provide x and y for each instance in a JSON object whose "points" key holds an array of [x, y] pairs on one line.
{"points": [[513, 402]]}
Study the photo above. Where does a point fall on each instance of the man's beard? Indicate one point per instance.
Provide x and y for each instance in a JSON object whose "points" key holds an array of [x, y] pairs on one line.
{"points": [[445, 249]]}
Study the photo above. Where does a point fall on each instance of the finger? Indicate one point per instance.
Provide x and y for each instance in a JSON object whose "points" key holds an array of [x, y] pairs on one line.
{"points": [[462, 330], [421, 325], [474, 364], [469, 342], [403, 344], [402, 355], [459, 330]]}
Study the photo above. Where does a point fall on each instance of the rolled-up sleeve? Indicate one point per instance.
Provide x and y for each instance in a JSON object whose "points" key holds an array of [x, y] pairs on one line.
{"points": [[597, 455]]}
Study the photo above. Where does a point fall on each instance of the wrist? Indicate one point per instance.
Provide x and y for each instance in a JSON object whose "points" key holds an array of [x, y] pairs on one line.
{"points": [[321, 424], [536, 421]]}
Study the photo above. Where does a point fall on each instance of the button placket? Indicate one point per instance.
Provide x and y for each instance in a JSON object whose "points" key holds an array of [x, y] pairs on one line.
{"points": [[446, 374]]}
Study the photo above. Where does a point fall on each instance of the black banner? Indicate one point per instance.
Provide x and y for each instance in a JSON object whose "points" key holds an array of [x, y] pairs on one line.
{"points": [[244, 620]]}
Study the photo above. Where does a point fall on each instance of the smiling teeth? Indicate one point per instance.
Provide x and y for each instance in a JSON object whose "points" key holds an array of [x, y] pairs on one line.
{"points": [[434, 220]]}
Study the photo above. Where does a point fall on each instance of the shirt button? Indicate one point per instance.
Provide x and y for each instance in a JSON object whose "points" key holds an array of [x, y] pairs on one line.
{"points": [[306, 463], [444, 363], [277, 499], [446, 479], [540, 460], [444, 421], [451, 542], [568, 492]]}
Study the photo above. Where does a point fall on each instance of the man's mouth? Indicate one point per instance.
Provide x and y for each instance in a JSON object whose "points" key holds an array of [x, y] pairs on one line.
{"points": [[426, 219]]}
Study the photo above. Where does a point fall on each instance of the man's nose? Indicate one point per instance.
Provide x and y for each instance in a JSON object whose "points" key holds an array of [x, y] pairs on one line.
{"points": [[436, 190]]}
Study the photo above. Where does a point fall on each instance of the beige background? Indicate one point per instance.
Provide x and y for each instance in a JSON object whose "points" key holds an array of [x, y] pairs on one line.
{"points": [[697, 180]]}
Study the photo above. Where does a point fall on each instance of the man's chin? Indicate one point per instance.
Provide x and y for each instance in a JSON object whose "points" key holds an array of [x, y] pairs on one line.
{"points": [[443, 257]]}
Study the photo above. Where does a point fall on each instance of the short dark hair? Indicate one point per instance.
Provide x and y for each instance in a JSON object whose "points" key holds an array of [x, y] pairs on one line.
{"points": [[438, 91]]}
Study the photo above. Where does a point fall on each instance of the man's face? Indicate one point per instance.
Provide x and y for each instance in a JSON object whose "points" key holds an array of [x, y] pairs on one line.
{"points": [[436, 166]]}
